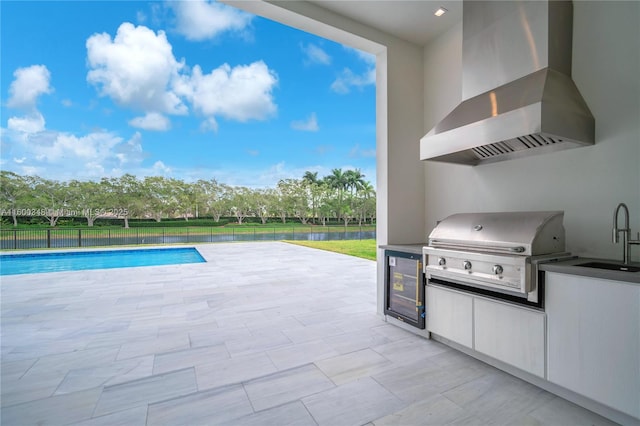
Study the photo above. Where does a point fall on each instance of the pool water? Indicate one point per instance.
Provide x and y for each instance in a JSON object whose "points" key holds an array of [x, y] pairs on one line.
{"points": [[14, 264]]}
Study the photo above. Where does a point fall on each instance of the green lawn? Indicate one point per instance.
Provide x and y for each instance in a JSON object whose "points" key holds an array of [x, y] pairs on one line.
{"points": [[365, 249]]}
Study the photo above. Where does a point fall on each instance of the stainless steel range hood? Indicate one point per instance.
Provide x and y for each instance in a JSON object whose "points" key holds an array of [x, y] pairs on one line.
{"points": [[518, 96]]}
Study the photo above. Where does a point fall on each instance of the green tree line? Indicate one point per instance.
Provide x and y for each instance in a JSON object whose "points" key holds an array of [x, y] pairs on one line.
{"points": [[342, 195]]}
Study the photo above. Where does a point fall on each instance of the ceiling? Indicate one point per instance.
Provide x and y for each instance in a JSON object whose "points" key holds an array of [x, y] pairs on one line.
{"points": [[413, 21]]}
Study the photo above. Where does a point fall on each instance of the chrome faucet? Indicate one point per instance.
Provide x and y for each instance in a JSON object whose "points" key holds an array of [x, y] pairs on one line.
{"points": [[626, 231]]}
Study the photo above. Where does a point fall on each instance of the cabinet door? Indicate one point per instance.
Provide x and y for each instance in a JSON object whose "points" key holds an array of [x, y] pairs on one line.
{"points": [[450, 315], [594, 339], [510, 334]]}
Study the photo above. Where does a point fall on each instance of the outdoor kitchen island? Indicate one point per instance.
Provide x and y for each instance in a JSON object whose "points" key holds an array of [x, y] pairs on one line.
{"points": [[583, 346], [501, 288]]}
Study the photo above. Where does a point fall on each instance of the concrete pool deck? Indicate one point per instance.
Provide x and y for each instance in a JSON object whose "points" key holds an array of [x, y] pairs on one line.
{"points": [[265, 333]]}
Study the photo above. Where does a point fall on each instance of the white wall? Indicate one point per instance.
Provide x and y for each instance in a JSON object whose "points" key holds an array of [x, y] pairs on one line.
{"points": [[587, 183]]}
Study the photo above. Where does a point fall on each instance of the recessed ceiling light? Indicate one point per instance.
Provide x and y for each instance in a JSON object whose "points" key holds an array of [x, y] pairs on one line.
{"points": [[441, 11]]}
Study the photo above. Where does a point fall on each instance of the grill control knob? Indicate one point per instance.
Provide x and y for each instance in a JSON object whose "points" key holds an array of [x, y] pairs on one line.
{"points": [[497, 269], [442, 261], [466, 264]]}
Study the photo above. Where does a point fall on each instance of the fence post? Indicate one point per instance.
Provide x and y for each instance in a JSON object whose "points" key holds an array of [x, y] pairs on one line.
{"points": [[48, 238], [233, 233], [163, 235], [137, 235], [187, 234], [109, 240], [254, 233], [79, 237], [15, 239]]}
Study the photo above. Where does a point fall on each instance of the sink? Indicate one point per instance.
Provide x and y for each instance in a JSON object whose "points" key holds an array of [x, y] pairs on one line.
{"points": [[610, 266]]}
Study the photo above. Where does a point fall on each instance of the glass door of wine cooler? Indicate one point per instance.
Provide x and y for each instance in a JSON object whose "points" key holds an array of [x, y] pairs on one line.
{"points": [[404, 287]]}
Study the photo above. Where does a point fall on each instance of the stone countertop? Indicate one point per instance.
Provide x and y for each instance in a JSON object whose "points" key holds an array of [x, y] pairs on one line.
{"points": [[571, 267], [564, 266], [405, 248]]}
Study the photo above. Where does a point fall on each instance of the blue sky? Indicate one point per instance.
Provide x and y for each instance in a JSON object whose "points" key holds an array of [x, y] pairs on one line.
{"points": [[187, 89]]}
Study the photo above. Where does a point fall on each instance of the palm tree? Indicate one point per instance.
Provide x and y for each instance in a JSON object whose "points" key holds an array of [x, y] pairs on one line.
{"points": [[310, 177], [354, 180], [338, 182], [367, 201]]}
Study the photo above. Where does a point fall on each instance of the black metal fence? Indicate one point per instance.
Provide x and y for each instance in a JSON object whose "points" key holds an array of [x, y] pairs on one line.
{"points": [[20, 239]]}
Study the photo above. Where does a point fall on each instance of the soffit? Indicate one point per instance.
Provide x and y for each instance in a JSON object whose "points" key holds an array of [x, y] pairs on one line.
{"points": [[413, 21]]}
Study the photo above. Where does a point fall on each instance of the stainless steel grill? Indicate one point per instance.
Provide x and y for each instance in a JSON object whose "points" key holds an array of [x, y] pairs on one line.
{"points": [[496, 252]]}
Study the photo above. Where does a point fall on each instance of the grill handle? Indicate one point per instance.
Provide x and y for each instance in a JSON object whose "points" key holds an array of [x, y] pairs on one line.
{"points": [[449, 244]]}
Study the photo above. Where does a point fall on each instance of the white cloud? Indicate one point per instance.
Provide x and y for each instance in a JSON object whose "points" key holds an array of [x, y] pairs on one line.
{"points": [[367, 57], [92, 147], [241, 93], [67, 103], [209, 125], [135, 69], [249, 176], [348, 79], [64, 156], [308, 125], [202, 20], [29, 124], [28, 85], [130, 152], [357, 152], [315, 55], [323, 149], [151, 121], [161, 169], [141, 17]]}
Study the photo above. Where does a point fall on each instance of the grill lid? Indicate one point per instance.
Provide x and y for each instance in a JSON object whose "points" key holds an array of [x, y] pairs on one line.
{"points": [[518, 233]]}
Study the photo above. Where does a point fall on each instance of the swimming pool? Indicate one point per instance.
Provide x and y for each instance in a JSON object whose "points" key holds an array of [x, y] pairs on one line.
{"points": [[30, 263]]}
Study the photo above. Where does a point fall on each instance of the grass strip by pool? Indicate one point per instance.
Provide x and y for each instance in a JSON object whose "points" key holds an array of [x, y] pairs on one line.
{"points": [[365, 249]]}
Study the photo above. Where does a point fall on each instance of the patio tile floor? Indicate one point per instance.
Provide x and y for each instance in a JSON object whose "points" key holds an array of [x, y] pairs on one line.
{"points": [[263, 334]]}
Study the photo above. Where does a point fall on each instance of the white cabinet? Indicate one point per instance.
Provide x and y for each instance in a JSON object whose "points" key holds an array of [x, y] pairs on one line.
{"points": [[514, 335], [511, 334], [450, 315], [594, 339]]}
